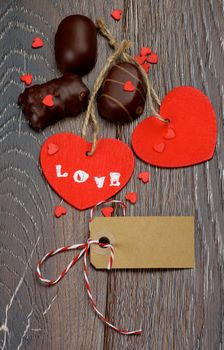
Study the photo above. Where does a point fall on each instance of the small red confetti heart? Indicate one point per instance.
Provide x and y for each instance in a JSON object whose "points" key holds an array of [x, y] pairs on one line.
{"points": [[26, 78], [107, 211], [145, 51], [170, 134], [146, 66], [128, 86], [144, 176], [116, 14], [59, 211], [159, 147], [153, 58], [48, 101], [52, 149], [131, 197], [37, 42], [140, 59]]}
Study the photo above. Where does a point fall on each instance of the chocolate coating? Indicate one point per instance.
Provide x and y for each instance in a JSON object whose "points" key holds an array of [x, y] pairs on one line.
{"points": [[114, 103], [76, 45], [70, 96]]}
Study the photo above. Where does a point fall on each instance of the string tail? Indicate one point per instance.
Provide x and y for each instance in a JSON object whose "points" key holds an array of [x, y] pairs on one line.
{"points": [[92, 302], [84, 247]]}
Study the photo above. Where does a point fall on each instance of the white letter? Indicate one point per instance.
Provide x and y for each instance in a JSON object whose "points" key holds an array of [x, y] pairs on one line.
{"points": [[99, 181], [58, 171], [80, 176], [114, 179]]}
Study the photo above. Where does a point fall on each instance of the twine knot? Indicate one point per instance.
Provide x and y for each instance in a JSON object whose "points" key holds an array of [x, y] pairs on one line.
{"points": [[120, 51]]}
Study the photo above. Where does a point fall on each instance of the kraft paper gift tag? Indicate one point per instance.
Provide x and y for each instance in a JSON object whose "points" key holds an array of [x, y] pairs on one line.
{"points": [[144, 242]]}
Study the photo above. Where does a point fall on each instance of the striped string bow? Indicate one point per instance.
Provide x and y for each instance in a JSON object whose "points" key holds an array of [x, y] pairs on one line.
{"points": [[84, 247]]}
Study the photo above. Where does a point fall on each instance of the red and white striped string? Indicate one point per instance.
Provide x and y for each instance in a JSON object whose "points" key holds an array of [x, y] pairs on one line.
{"points": [[84, 252]]}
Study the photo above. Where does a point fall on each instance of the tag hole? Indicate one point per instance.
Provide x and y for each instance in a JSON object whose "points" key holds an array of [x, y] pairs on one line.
{"points": [[167, 120], [104, 240]]}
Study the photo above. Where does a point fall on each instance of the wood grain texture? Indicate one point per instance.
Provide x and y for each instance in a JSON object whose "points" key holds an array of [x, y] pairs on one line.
{"points": [[177, 309]]}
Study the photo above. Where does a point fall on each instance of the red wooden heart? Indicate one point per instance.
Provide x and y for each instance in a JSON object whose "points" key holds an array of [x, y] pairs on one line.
{"points": [[48, 100], [144, 176], [193, 121], [26, 78], [82, 180], [59, 211], [145, 51], [128, 86], [116, 14], [37, 42], [131, 197], [107, 211]]}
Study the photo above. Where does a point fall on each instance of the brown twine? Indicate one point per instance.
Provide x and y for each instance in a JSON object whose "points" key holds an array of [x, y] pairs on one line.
{"points": [[120, 49]]}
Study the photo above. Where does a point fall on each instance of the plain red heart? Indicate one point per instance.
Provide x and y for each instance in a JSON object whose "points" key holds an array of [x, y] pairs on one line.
{"points": [[59, 211], [131, 197], [146, 67], [48, 100], [52, 148], [170, 134], [26, 78], [145, 51], [37, 42], [111, 156], [153, 58], [140, 59], [144, 176], [193, 120], [116, 14], [128, 86], [107, 211]]}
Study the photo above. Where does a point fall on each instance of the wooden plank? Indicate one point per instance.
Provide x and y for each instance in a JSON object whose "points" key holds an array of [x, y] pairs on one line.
{"points": [[177, 309]]}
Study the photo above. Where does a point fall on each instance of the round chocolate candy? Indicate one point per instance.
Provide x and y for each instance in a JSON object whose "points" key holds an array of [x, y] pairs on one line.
{"points": [[122, 95], [76, 45]]}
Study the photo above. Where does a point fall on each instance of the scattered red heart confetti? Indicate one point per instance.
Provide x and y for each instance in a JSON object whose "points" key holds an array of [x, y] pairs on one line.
{"points": [[145, 51], [146, 66], [26, 78], [128, 86], [37, 42], [144, 176], [52, 148], [107, 211], [159, 147], [170, 134], [116, 14], [153, 58], [59, 211], [48, 100], [131, 197], [140, 59]]}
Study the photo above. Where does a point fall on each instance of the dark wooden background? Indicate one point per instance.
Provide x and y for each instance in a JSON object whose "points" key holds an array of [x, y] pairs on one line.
{"points": [[177, 309]]}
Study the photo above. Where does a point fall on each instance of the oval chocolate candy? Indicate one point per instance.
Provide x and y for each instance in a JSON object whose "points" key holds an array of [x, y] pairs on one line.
{"points": [[115, 102], [76, 44]]}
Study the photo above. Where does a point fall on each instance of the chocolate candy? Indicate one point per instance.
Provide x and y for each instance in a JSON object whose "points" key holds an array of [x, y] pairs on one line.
{"points": [[116, 104], [76, 45], [69, 95]]}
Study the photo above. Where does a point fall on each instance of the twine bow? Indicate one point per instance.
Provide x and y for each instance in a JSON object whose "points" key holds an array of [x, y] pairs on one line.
{"points": [[120, 51], [84, 247]]}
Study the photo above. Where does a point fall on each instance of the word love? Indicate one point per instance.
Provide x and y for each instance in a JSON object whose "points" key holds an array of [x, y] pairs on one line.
{"points": [[83, 180], [81, 176]]}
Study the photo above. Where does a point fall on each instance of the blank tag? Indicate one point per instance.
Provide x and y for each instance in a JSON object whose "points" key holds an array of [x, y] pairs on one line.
{"points": [[144, 242]]}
